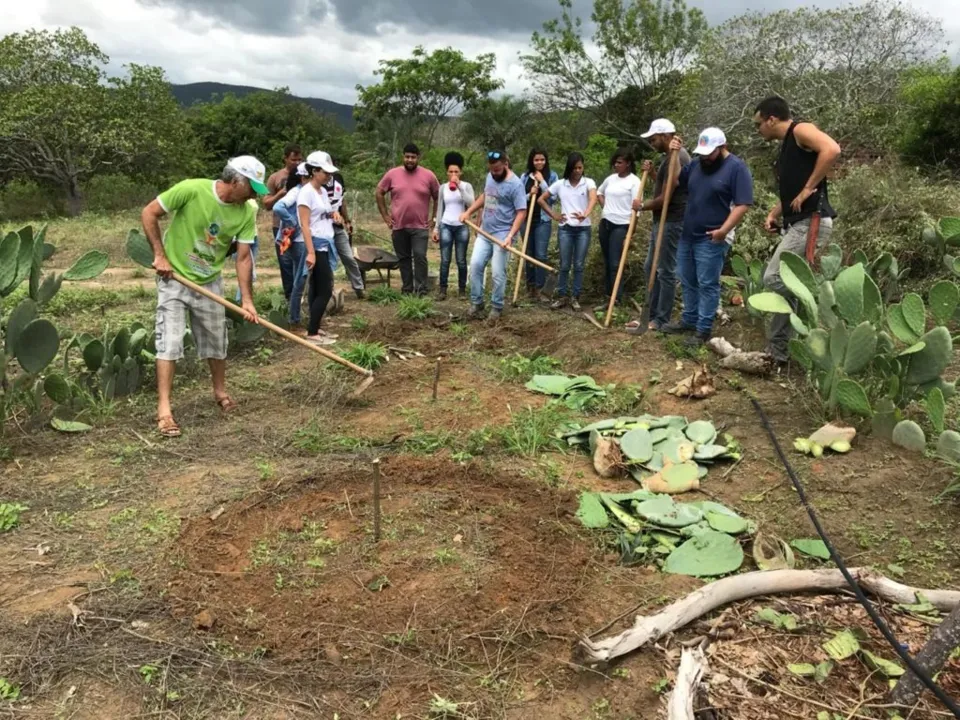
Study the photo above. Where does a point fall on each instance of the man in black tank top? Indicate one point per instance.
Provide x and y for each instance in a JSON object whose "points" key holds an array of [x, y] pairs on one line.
{"points": [[806, 156]]}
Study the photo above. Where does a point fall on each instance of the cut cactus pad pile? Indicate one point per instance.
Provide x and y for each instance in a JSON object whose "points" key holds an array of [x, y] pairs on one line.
{"points": [[698, 538], [574, 392], [665, 454]]}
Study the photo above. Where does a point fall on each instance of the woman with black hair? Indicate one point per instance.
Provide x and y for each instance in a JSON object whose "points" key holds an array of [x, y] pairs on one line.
{"points": [[456, 195], [616, 195], [317, 217], [578, 197], [538, 175]]}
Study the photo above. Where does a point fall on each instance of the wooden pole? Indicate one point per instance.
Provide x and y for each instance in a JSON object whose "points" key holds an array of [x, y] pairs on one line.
{"points": [[626, 247], [508, 247], [273, 328], [436, 380], [672, 172], [526, 239], [376, 500]]}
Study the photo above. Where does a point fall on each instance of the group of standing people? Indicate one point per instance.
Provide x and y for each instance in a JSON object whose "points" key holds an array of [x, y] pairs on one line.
{"points": [[711, 193]]}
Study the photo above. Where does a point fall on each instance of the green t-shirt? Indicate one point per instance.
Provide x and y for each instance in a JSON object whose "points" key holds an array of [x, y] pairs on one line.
{"points": [[202, 229]]}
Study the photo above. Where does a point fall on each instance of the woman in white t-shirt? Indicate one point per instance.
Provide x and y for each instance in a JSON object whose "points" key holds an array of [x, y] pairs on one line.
{"points": [[317, 216], [456, 195], [578, 196], [616, 195]]}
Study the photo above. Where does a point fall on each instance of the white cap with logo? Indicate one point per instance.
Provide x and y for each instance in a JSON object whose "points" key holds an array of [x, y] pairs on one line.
{"points": [[660, 126], [322, 160], [252, 169], [302, 169], [710, 139]]}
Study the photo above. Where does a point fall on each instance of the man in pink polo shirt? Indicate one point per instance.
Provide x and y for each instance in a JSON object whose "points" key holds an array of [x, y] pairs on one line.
{"points": [[411, 188]]}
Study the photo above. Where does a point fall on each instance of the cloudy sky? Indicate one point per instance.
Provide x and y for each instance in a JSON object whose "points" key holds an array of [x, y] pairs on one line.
{"points": [[323, 48]]}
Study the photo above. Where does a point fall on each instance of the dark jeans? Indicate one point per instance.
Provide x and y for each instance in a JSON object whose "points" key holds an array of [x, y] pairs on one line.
{"points": [[574, 244], [537, 247], [611, 246], [699, 263], [410, 245], [454, 237], [665, 284], [321, 288], [287, 267], [297, 252]]}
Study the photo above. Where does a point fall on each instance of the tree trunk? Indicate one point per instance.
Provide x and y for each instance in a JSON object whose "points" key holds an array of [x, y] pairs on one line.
{"points": [[74, 197], [931, 658]]}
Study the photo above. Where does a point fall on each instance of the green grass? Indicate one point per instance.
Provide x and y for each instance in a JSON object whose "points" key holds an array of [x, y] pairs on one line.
{"points": [[520, 368], [368, 355], [383, 295], [412, 307], [533, 430], [359, 323]]}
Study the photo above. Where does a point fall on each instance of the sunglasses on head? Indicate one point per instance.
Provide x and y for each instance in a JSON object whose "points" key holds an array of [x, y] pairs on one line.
{"points": [[495, 155]]}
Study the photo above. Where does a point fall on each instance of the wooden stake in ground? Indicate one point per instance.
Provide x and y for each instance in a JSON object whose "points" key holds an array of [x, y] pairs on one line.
{"points": [[508, 247], [376, 500], [672, 172], [626, 247], [436, 380], [526, 239]]}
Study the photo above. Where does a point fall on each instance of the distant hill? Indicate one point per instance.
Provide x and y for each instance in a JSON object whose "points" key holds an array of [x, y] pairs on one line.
{"points": [[205, 91]]}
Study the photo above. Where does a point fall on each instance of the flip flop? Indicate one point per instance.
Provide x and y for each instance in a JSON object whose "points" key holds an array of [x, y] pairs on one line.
{"points": [[226, 404], [320, 340], [167, 427]]}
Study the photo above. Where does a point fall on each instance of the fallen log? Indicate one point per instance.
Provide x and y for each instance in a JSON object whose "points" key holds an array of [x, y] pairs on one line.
{"points": [[693, 665], [740, 587]]}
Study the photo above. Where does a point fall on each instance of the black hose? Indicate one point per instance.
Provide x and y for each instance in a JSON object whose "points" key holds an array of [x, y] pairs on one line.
{"points": [[851, 581]]}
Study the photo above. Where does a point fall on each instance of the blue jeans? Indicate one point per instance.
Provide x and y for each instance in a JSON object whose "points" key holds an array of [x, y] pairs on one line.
{"points": [[286, 264], [537, 247], [665, 284], [699, 263], [453, 237], [297, 252], [612, 237], [574, 243], [483, 250]]}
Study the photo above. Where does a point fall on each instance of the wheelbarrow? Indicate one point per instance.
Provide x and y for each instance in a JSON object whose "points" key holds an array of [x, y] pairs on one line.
{"points": [[374, 258]]}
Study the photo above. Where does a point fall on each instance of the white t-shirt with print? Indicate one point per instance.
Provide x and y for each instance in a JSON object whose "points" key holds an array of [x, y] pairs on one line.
{"points": [[334, 190], [618, 194], [321, 211], [573, 199], [453, 206]]}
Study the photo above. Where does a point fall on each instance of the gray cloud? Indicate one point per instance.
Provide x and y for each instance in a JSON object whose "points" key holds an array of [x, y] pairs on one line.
{"points": [[276, 17]]}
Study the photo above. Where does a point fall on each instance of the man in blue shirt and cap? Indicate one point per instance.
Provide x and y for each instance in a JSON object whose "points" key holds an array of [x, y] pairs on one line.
{"points": [[719, 193]]}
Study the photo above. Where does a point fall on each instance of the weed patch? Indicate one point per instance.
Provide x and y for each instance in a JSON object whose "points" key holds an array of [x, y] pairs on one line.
{"points": [[412, 307], [383, 295], [368, 355]]}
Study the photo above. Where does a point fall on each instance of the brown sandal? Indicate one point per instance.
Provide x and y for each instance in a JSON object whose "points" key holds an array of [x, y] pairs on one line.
{"points": [[167, 427], [226, 404]]}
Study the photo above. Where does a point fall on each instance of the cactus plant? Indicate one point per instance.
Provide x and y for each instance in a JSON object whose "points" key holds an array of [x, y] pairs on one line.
{"points": [[843, 342], [908, 435]]}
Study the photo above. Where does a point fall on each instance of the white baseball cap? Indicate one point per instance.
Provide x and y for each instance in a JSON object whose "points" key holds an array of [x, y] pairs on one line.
{"points": [[322, 160], [710, 139], [660, 126], [252, 169], [302, 169]]}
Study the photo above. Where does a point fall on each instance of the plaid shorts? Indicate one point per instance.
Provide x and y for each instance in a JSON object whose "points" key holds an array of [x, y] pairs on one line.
{"points": [[208, 321]]}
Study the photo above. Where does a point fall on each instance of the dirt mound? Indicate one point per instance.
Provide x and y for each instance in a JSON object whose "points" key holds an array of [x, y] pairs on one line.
{"points": [[466, 555]]}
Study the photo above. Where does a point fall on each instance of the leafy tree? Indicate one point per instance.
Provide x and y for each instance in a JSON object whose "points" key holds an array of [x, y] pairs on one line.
{"points": [[260, 124], [62, 120], [641, 46], [497, 122], [841, 68], [425, 89], [932, 128]]}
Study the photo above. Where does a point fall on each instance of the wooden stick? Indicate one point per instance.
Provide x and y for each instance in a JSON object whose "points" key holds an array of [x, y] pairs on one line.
{"points": [[740, 587], [436, 380], [672, 172], [376, 500], [526, 239], [626, 247], [508, 247], [273, 328]]}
